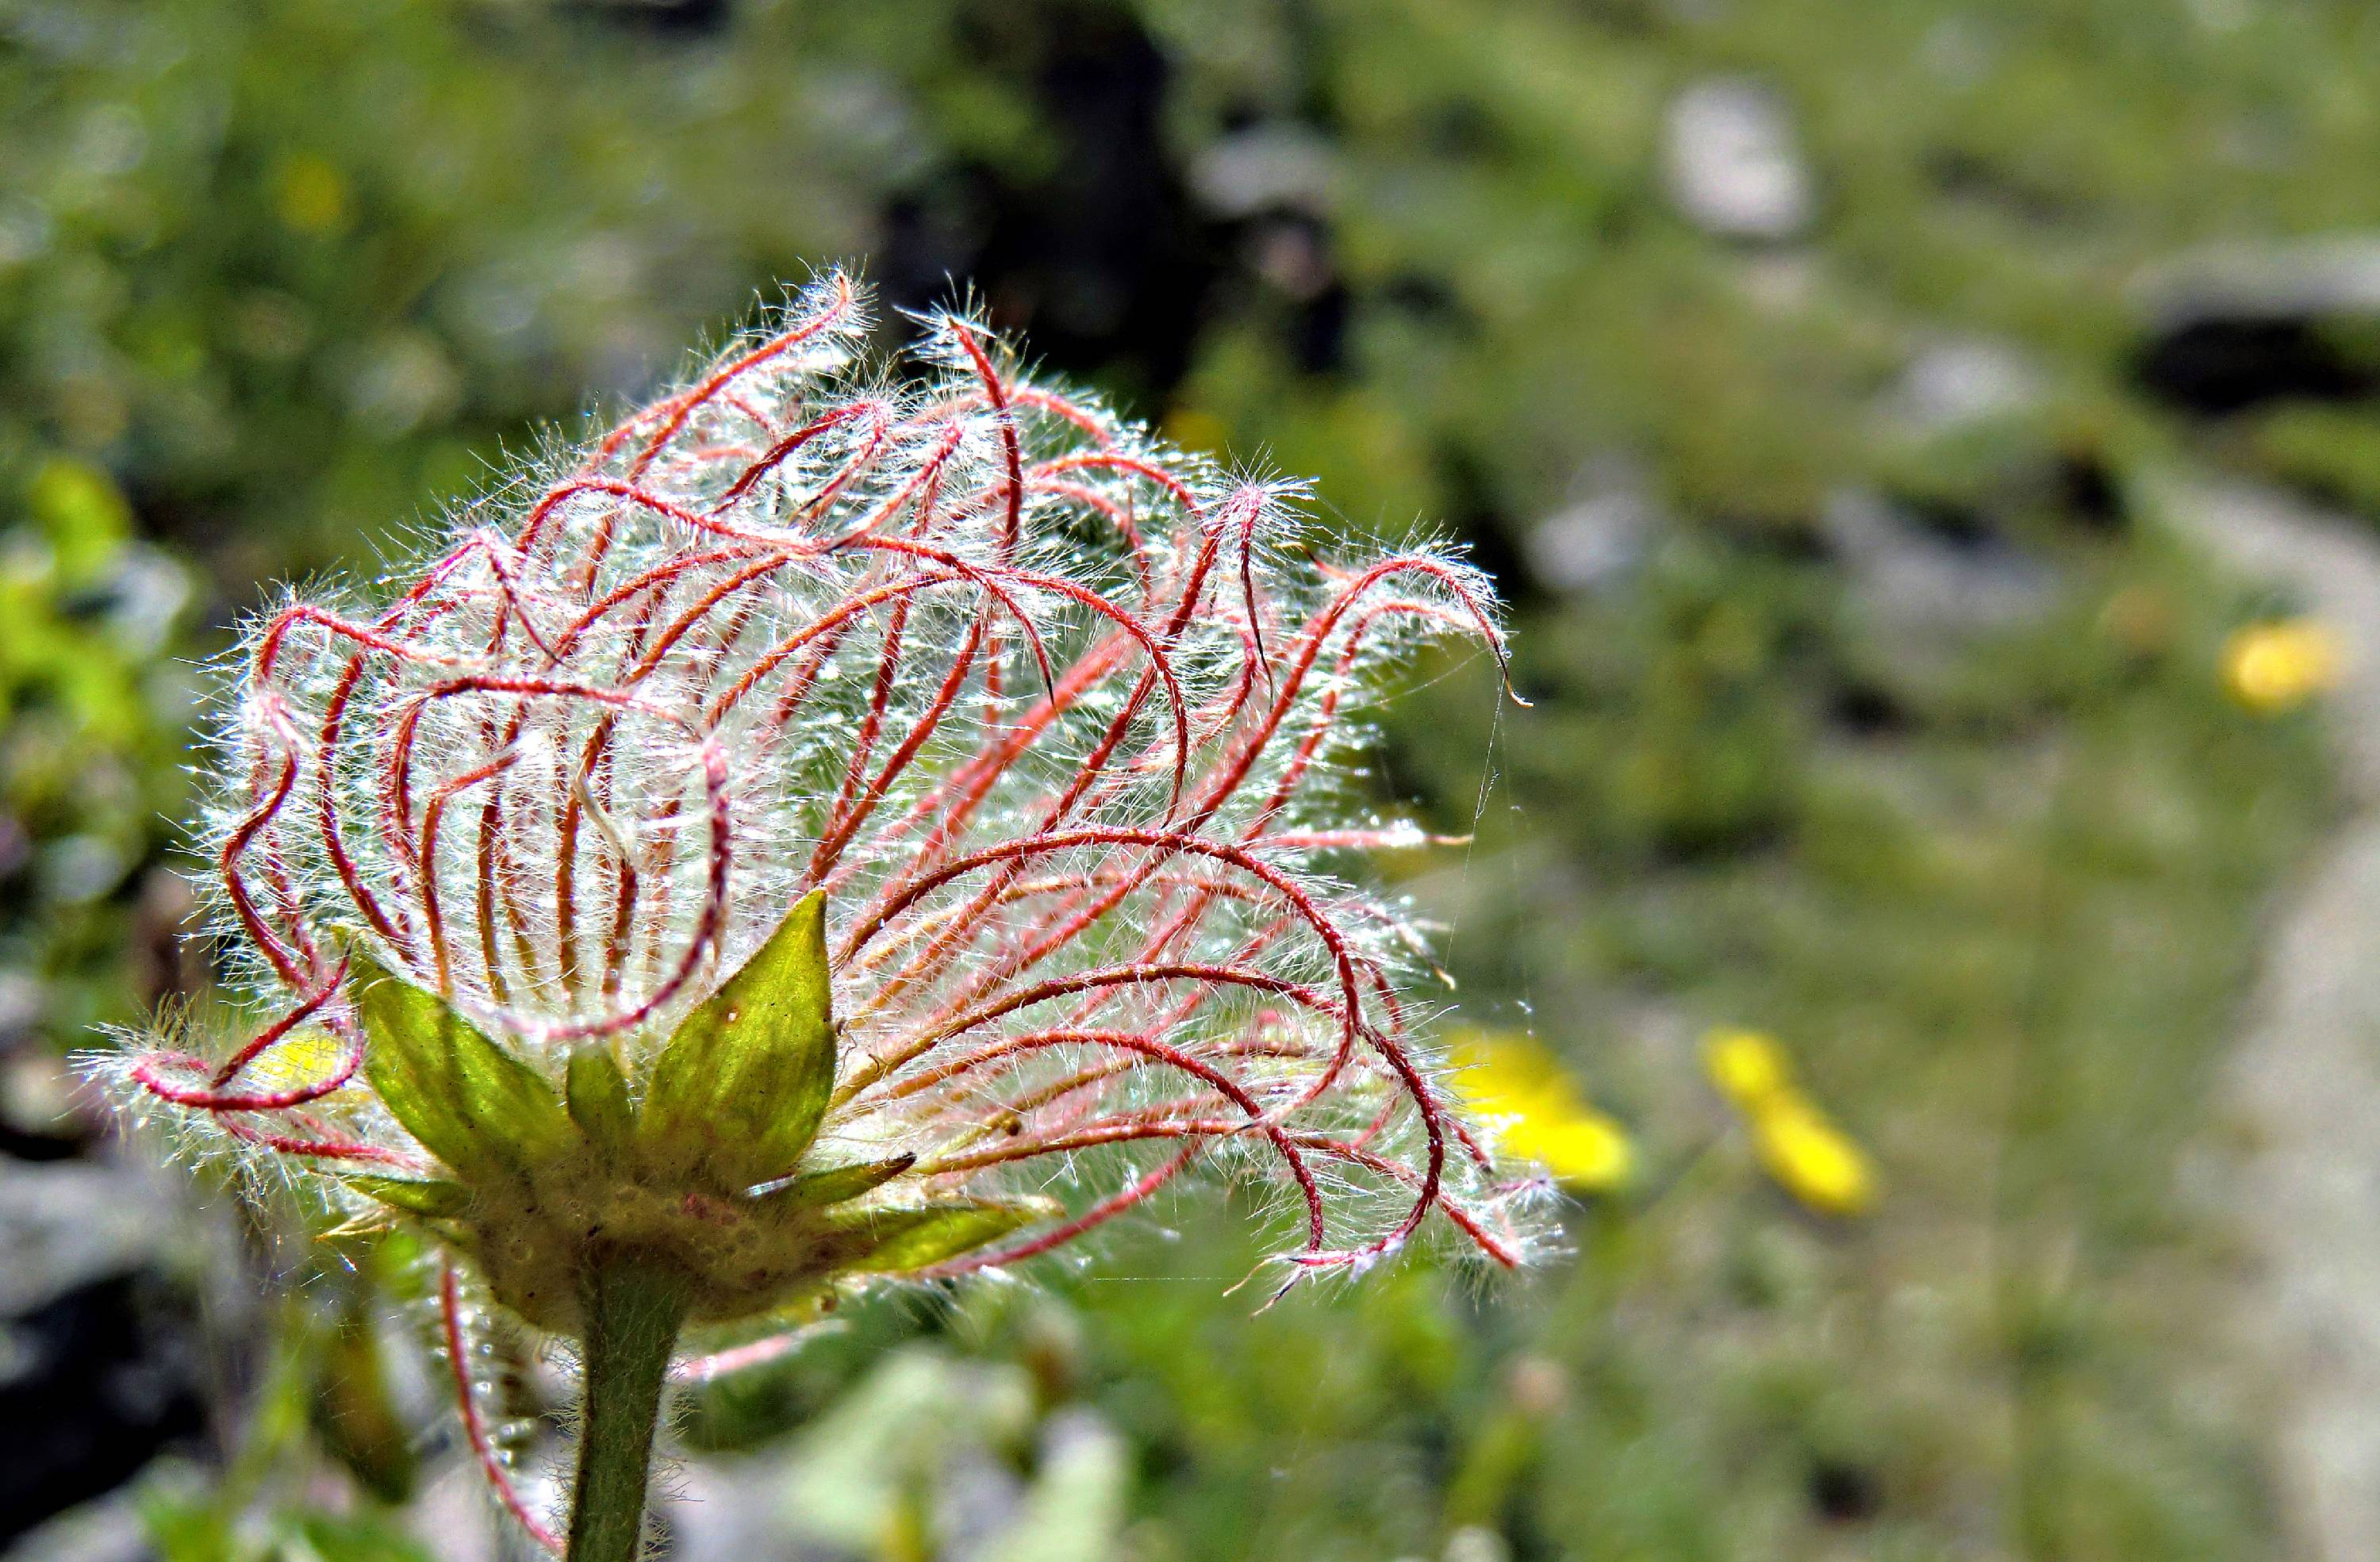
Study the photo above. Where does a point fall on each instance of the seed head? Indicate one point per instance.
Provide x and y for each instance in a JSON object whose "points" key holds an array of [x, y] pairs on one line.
{"points": [[836, 823]]}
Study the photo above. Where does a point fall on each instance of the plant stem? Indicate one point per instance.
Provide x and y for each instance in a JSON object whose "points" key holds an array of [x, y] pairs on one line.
{"points": [[632, 1311]]}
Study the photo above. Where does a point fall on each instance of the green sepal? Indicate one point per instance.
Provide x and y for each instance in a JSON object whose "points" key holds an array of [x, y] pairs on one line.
{"points": [[596, 1094], [833, 1184], [469, 1102], [739, 1090], [895, 1241], [433, 1200]]}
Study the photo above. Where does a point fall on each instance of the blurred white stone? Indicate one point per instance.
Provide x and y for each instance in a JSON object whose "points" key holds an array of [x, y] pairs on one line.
{"points": [[1958, 50], [404, 380], [1474, 1542], [23, 993], [1584, 544], [1961, 382], [25, 230], [1599, 535], [1075, 1509], [77, 869], [718, 1507], [1267, 166], [108, 1529], [146, 593], [39, 1090], [2222, 16], [2262, 280], [456, 1517], [2301, 1092], [65, 1224], [893, 1435], [1731, 162], [1925, 584]]}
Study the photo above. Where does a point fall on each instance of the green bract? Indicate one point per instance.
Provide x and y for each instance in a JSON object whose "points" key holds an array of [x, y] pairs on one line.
{"points": [[738, 1093], [701, 1169]]}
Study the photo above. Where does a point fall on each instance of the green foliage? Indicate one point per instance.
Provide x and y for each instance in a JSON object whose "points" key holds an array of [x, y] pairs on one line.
{"points": [[193, 1533], [90, 714]]}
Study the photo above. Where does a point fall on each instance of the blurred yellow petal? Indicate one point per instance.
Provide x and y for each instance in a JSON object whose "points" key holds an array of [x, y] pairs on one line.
{"points": [[298, 1059], [1583, 1147], [1546, 1118], [2277, 666], [1748, 1066], [1810, 1158], [1498, 1066], [1808, 1155]]}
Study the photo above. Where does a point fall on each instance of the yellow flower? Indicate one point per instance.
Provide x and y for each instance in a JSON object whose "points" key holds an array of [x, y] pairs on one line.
{"points": [[2277, 666], [1810, 1158], [1747, 1066], [1807, 1154], [1547, 1120]]}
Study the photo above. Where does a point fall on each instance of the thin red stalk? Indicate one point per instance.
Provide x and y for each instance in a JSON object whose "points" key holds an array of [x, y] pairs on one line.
{"points": [[467, 1401]]}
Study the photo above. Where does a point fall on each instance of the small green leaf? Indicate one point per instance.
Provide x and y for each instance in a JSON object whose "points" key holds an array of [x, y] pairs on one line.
{"points": [[432, 1199], [469, 1102], [597, 1096], [833, 1184], [893, 1241], [739, 1091]]}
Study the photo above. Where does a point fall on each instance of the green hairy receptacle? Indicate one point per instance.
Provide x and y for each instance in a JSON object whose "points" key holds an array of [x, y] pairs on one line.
{"points": [[700, 1172]]}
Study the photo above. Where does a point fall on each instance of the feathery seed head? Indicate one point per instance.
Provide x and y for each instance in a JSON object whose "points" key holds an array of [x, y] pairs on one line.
{"points": [[828, 826]]}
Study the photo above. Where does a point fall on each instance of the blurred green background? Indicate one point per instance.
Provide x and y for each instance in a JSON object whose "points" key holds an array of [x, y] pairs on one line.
{"points": [[1816, 376]]}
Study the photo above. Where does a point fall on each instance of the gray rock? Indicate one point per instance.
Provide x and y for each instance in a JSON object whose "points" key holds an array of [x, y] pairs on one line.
{"points": [[1601, 534], [1961, 382], [1925, 584], [2302, 1085], [65, 1224], [103, 1346], [1731, 162], [2231, 326], [1268, 167], [109, 1530], [2330, 275]]}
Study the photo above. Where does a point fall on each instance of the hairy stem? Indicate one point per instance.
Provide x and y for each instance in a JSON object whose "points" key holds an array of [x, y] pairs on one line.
{"points": [[632, 1311]]}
